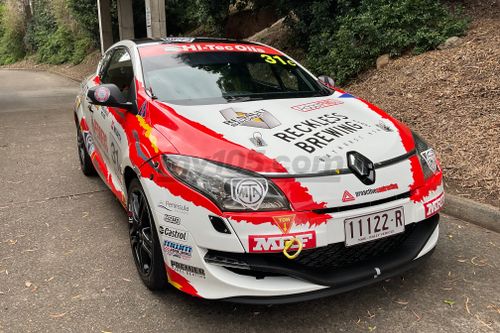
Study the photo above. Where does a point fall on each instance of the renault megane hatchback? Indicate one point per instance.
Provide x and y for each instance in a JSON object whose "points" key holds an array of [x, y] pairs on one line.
{"points": [[247, 178]]}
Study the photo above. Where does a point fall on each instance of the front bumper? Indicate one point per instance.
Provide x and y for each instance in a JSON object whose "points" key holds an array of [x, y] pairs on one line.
{"points": [[271, 280], [264, 277], [335, 265]]}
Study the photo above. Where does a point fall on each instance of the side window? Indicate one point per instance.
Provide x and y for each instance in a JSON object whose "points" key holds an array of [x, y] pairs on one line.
{"points": [[103, 64], [119, 71]]}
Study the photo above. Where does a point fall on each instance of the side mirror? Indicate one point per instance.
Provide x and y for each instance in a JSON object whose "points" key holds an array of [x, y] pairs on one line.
{"points": [[327, 81], [108, 95]]}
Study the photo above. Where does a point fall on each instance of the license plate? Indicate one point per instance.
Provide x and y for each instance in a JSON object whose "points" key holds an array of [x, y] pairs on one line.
{"points": [[378, 225]]}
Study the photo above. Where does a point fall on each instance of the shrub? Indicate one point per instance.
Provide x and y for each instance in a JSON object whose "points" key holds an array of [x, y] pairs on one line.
{"points": [[85, 13], [57, 48], [54, 37], [11, 34], [345, 37], [41, 26]]}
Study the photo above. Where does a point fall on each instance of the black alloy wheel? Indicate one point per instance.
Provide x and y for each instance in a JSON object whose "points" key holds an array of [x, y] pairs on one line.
{"points": [[144, 240]]}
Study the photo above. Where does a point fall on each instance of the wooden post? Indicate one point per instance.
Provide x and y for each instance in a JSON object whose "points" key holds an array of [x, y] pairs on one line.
{"points": [[156, 23], [105, 31], [125, 19]]}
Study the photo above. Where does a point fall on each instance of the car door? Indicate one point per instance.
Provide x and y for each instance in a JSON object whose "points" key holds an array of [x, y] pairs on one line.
{"points": [[107, 125]]}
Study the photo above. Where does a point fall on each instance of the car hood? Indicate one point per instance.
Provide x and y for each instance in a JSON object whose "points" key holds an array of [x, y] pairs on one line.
{"points": [[296, 136]]}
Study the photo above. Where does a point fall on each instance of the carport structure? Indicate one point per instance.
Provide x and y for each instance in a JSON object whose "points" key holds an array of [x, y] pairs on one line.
{"points": [[155, 20]]}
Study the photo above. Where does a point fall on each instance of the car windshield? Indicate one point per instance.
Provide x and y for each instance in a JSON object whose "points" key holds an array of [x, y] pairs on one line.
{"points": [[224, 77]]}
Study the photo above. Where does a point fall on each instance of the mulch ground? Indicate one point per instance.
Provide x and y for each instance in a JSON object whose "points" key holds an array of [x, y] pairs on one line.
{"points": [[452, 98]]}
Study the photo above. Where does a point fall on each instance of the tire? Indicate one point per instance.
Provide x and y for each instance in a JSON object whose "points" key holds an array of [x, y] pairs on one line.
{"points": [[144, 241], [84, 157]]}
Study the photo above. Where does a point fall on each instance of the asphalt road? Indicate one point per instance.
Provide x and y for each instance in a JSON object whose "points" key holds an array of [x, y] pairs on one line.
{"points": [[66, 265]]}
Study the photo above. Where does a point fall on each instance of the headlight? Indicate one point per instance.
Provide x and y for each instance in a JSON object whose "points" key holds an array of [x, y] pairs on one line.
{"points": [[426, 156], [230, 188]]}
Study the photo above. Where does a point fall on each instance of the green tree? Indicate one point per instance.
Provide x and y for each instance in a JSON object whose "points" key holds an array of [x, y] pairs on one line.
{"points": [[12, 28]]}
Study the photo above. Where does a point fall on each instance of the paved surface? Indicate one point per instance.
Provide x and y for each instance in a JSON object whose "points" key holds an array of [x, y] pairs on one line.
{"points": [[65, 262]]}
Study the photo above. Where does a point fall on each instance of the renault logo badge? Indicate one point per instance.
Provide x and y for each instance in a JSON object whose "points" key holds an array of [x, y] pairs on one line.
{"points": [[362, 167]]}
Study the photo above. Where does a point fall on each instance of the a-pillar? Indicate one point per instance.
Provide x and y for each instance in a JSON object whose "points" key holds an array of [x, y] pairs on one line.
{"points": [[125, 19], [105, 31], [155, 18]]}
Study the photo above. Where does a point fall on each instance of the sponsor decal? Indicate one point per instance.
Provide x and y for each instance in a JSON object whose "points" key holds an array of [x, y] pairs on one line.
{"points": [[187, 269], [78, 102], [284, 223], [214, 47], [346, 197], [177, 250], [384, 126], [147, 132], [430, 158], [257, 140], [273, 60], [143, 109], [89, 143], [317, 105], [259, 119], [101, 137], [322, 131], [116, 131], [173, 233], [276, 243], [103, 111], [115, 153], [433, 206], [379, 189], [171, 219], [174, 207], [249, 192], [101, 94]]}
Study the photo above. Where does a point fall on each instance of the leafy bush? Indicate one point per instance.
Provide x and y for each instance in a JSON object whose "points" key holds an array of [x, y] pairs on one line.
{"points": [[41, 26], [11, 34], [57, 48], [56, 40], [345, 37], [85, 13]]}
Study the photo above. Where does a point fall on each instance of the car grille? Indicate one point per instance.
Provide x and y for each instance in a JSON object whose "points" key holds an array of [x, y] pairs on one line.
{"points": [[337, 255], [334, 264]]}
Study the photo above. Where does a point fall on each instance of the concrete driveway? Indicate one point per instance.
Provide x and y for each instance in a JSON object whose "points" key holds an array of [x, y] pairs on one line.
{"points": [[66, 265]]}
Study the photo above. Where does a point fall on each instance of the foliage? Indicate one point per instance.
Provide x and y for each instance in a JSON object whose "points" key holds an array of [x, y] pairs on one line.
{"points": [[211, 14], [85, 13], [344, 37], [41, 26], [63, 46], [340, 37], [56, 40], [182, 16], [11, 33]]}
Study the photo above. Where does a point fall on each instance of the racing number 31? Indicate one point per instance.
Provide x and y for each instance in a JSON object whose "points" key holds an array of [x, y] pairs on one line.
{"points": [[274, 60]]}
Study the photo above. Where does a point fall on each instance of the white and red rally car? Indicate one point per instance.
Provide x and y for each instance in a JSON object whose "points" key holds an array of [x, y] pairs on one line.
{"points": [[247, 178]]}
